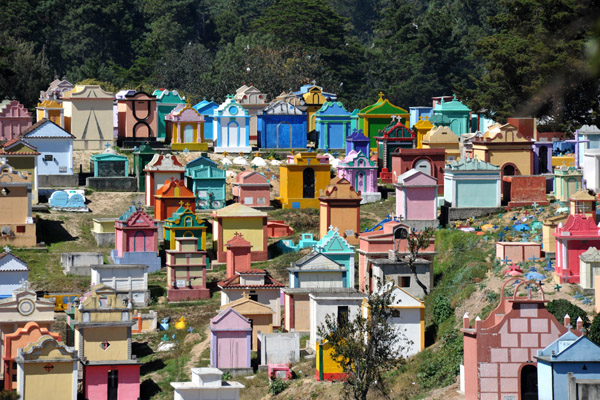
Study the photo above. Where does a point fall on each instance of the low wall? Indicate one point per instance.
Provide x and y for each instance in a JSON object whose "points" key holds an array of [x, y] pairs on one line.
{"points": [[112, 184], [60, 181], [104, 239], [73, 263], [454, 213], [279, 348]]}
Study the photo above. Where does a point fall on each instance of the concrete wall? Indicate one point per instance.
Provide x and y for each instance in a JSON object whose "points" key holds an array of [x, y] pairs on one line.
{"points": [[279, 348], [112, 184], [453, 214], [72, 261], [60, 181], [104, 239]]}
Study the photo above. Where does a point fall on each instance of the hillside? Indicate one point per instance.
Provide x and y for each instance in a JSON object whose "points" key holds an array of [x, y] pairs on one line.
{"points": [[467, 279]]}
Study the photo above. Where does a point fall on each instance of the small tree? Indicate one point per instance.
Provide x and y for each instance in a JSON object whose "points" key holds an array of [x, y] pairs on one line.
{"points": [[365, 347], [418, 241]]}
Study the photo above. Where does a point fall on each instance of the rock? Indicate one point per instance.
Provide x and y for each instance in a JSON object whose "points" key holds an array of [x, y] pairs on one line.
{"points": [[240, 160], [165, 346], [259, 162], [162, 300]]}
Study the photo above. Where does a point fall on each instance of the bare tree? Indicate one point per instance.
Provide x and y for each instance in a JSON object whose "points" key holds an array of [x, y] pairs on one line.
{"points": [[366, 346], [418, 241]]}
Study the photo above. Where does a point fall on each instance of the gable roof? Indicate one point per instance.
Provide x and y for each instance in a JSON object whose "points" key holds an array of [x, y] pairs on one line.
{"points": [[315, 261], [88, 92], [332, 242], [454, 105], [332, 108], [471, 164], [238, 210], [164, 162], [10, 263], [16, 144], [230, 313], [415, 174], [382, 107], [206, 107], [234, 281], [245, 305], [46, 129], [168, 189], [570, 348]]}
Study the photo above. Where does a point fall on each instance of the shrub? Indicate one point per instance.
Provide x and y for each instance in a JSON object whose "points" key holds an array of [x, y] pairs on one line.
{"points": [[594, 332], [442, 309], [560, 307], [277, 386]]}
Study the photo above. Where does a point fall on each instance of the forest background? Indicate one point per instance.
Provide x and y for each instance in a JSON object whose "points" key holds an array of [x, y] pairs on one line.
{"points": [[506, 58]]}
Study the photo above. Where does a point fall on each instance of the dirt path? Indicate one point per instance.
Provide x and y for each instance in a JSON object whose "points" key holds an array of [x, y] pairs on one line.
{"points": [[197, 351]]}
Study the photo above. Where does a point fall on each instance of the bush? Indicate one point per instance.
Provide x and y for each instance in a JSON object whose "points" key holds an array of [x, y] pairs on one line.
{"points": [[594, 332], [560, 307], [440, 368], [442, 309], [277, 386]]}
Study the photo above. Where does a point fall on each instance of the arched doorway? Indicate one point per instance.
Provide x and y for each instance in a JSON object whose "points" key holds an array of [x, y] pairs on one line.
{"points": [[508, 170], [360, 182], [308, 183], [528, 383], [139, 241], [543, 159], [284, 129], [424, 166]]}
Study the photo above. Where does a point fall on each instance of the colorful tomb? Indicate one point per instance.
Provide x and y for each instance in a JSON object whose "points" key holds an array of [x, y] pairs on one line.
{"points": [[302, 181], [185, 129]]}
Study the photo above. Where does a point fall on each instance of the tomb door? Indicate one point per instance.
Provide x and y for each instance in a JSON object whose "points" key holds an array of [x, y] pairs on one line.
{"points": [[543, 160], [113, 384], [233, 131], [139, 241], [188, 134], [360, 182], [423, 166], [284, 130], [529, 383], [308, 183]]}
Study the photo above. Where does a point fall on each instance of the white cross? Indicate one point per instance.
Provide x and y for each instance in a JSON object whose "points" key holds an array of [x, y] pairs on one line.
{"points": [[6, 249]]}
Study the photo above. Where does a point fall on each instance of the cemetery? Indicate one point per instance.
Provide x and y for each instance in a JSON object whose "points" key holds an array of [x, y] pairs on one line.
{"points": [[256, 246]]}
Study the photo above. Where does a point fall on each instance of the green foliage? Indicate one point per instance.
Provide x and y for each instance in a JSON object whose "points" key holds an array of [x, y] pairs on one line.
{"points": [[561, 307], [365, 348], [594, 332], [442, 309], [535, 64], [9, 395], [440, 368], [226, 376], [23, 70], [277, 386]]}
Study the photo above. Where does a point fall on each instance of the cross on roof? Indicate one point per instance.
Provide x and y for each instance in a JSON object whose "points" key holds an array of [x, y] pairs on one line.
{"points": [[181, 203], [24, 284], [107, 145], [6, 249]]}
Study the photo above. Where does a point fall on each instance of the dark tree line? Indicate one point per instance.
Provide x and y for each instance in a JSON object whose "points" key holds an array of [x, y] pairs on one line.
{"points": [[507, 57]]}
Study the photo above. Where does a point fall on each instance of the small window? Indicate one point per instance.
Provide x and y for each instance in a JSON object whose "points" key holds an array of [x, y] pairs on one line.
{"points": [[20, 228], [104, 345], [260, 200], [14, 377], [405, 281], [253, 296], [248, 200], [342, 317], [65, 299], [48, 157], [395, 313]]}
